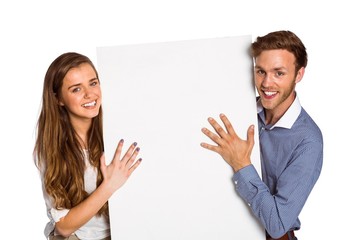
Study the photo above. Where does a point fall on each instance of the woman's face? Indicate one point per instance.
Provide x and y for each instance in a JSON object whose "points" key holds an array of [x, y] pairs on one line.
{"points": [[81, 94]]}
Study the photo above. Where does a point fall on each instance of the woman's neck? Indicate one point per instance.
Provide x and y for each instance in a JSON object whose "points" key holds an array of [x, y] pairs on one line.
{"points": [[82, 129]]}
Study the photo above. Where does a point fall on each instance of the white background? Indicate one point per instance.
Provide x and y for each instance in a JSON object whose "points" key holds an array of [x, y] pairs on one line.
{"points": [[33, 33]]}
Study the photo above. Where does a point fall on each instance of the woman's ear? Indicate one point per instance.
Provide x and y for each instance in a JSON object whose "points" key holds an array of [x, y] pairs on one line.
{"points": [[58, 100]]}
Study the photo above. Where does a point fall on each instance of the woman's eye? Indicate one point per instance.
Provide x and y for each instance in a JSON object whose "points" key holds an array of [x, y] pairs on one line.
{"points": [[94, 82], [75, 90]]}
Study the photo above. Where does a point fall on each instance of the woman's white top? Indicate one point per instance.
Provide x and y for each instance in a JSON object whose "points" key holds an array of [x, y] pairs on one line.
{"points": [[96, 228]]}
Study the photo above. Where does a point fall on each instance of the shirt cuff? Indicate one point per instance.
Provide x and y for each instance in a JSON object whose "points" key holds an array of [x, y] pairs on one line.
{"points": [[244, 180], [245, 174]]}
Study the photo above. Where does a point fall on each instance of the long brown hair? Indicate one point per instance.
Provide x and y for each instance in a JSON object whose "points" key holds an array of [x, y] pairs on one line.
{"points": [[58, 152]]}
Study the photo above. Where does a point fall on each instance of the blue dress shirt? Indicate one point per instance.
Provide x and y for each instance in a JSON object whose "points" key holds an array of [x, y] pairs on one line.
{"points": [[291, 160]]}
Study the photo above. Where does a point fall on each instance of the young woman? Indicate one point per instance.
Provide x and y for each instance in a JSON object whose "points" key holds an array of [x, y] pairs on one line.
{"points": [[69, 148]]}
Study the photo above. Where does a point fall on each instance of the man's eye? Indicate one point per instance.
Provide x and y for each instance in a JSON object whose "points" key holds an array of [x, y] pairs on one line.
{"points": [[261, 72], [93, 83], [279, 74]]}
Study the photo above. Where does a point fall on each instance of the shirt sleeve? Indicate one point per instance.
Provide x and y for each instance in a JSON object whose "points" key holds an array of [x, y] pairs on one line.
{"points": [[279, 211], [58, 214]]}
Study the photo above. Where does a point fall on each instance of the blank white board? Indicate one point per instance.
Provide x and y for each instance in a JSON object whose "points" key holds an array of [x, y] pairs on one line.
{"points": [[160, 96]]}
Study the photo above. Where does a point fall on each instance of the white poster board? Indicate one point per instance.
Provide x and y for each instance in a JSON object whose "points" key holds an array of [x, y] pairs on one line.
{"points": [[160, 95]]}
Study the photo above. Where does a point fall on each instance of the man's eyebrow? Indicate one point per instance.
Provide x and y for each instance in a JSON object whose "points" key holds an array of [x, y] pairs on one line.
{"points": [[275, 69]]}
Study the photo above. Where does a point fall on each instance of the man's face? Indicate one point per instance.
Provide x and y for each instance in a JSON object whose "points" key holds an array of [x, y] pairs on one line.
{"points": [[275, 79]]}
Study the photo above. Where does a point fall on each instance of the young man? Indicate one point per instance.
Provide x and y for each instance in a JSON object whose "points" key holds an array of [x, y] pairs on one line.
{"points": [[291, 144]]}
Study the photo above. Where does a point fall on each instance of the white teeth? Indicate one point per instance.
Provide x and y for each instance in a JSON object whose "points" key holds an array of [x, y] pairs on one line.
{"points": [[90, 104], [269, 93]]}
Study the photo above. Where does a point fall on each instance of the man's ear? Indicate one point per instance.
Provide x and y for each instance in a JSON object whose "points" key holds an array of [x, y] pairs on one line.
{"points": [[300, 75]]}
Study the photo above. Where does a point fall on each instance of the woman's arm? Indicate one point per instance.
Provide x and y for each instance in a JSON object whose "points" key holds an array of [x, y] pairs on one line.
{"points": [[115, 175]]}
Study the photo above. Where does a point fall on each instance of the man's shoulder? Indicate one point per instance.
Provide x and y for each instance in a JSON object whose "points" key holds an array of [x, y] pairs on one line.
{"points": [[306, 124]]}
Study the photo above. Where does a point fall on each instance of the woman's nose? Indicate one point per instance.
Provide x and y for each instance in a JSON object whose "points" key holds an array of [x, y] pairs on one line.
{"points": [[88, 93]]}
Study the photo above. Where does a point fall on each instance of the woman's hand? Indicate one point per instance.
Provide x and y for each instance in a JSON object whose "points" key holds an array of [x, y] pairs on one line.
{"points": [[119, 170]]}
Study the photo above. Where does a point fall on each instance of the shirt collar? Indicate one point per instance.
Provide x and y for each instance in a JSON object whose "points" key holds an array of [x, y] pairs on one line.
{"points": [[290, 116]]}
